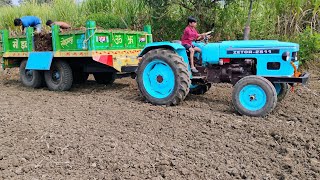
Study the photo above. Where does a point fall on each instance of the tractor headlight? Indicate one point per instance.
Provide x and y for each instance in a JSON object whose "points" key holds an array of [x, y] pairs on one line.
{"points": [[294, 56], [286, 56]]}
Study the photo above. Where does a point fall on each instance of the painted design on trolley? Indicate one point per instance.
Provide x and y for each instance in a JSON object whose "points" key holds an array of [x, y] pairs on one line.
{"points": [[67, 41], [15, 54], [18, 44], [95, 53], [118, 39], [15, 44]]}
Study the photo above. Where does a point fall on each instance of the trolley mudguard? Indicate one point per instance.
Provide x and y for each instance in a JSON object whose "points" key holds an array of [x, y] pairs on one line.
{"points": [[39, 60]]}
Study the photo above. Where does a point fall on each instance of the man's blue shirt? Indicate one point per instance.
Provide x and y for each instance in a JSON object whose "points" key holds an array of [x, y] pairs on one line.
{"points": [[30, 21]]}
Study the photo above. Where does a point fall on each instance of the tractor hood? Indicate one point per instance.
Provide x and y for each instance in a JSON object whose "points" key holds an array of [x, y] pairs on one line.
{"points": [[258, 44]]}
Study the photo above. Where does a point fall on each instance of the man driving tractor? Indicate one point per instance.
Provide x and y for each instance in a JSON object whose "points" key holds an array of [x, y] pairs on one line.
{"points": [[191, 34]]}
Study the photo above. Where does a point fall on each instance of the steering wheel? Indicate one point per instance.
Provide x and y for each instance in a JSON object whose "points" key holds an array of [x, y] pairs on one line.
{"points": [[206, 39]]}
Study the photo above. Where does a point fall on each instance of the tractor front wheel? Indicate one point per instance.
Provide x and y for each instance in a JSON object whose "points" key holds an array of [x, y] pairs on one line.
{"points": [[163, 77], [254, 96]]}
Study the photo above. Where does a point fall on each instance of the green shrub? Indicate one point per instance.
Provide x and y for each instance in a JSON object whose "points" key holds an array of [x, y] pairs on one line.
{"points": [[309, 42]]}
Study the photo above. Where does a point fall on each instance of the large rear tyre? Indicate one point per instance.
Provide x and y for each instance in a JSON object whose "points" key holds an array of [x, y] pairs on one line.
{"points": [[105, 78], [59, 77], [282, 90], [254, 96], [163, 77], [30, 78]]}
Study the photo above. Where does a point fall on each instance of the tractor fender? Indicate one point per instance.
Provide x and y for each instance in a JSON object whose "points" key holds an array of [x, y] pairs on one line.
{"points": [[178, 48]]}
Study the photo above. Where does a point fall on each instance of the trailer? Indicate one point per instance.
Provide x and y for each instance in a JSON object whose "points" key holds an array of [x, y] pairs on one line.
{"points": [[71, 56]]}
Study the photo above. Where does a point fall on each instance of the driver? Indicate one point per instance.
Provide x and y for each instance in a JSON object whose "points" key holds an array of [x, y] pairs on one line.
{"points": [[190, 34]]}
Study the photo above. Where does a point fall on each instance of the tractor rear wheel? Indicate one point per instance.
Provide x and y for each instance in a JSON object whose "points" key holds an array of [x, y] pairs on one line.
{"points": [[163, 77], [282, 90], [254, 96], [59, 77], [30, 78]]}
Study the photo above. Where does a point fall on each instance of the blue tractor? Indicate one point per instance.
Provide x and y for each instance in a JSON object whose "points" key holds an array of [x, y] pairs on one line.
{"points": [[260, 71]]}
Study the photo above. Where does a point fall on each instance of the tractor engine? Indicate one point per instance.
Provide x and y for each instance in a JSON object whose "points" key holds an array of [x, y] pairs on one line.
{"points": [[230, 70]]}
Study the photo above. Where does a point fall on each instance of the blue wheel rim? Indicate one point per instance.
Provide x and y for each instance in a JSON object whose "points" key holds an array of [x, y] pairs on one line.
{"points": [[252, 97], [278, 87], [158, 79]]}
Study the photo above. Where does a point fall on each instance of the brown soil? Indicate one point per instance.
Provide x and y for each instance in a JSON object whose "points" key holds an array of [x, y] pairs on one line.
{"points": [[108, 132]]}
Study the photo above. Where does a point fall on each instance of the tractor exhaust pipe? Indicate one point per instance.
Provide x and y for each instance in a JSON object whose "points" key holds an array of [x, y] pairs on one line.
{"points": [[247, 27]]}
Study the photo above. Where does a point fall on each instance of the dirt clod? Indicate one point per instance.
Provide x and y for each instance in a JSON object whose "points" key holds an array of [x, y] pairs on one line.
{"points": [[15, 162], [4, 165], [18, 171]]}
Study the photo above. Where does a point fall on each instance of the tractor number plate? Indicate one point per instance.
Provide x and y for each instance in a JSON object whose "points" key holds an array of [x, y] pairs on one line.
{"points": [[254, 51]]}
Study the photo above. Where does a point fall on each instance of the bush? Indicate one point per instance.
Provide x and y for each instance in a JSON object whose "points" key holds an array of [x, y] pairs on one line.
{"points": [[309, 45]]}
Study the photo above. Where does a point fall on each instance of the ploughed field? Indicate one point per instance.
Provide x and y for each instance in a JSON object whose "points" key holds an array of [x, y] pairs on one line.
{"points": [[109, 132]]}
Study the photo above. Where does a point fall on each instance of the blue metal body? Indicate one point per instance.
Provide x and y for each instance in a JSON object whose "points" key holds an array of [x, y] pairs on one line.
{"points": [[212, 52], [263, 51], [39, 60]]}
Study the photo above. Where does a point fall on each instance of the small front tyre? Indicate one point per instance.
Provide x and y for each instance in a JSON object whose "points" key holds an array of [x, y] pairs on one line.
{"points": [[254, 96], [59, 77], [163, 77]]}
